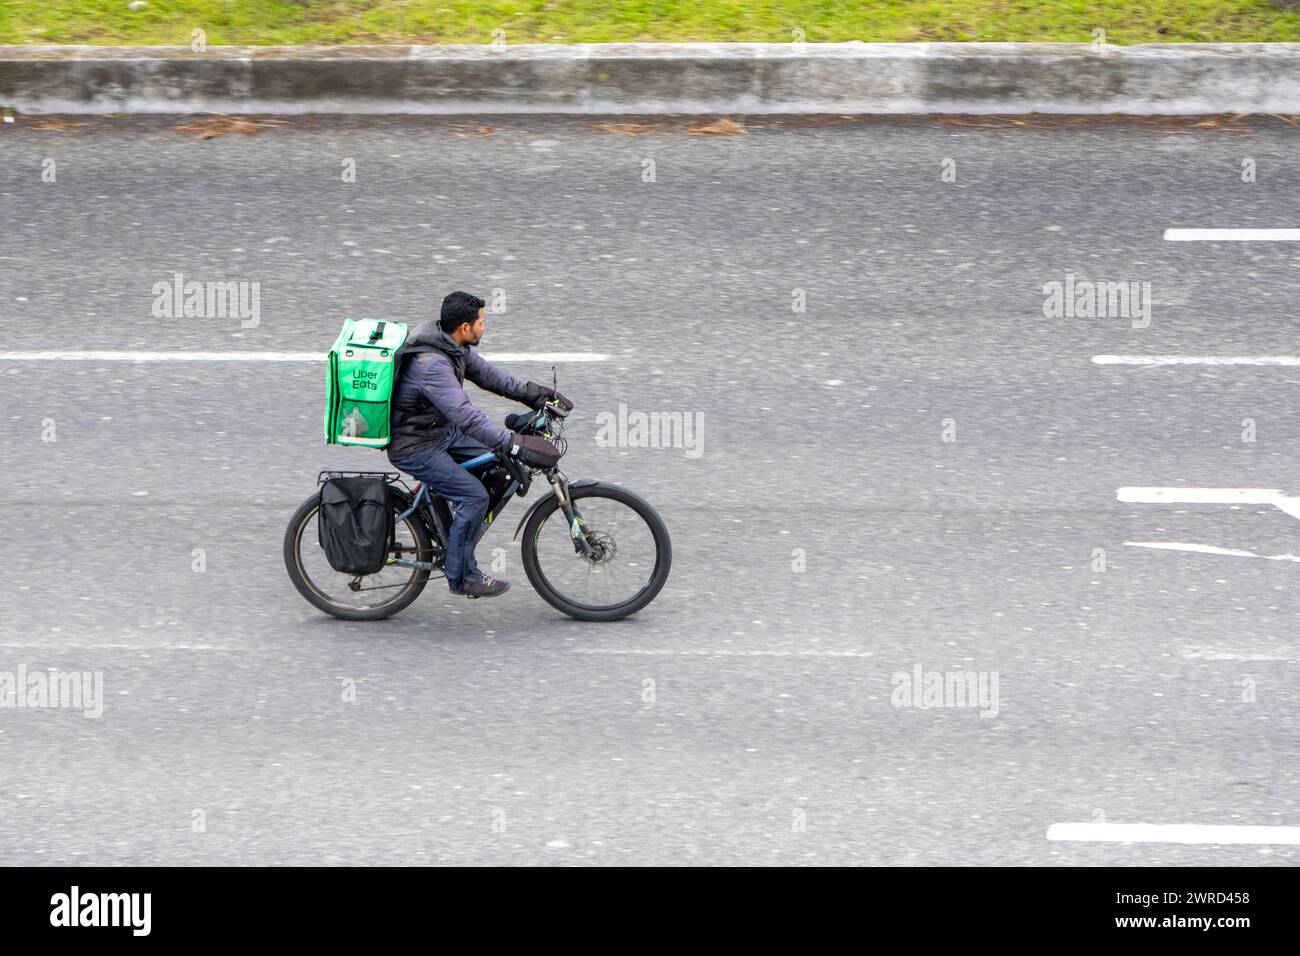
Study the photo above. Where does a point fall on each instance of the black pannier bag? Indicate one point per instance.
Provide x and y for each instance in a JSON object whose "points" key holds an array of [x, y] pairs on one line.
{"points": [[356, 524]]}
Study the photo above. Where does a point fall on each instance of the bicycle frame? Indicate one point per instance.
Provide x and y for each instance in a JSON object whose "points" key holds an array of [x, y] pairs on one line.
{"points": [[422, 504], [426, 522], [520, 481]]}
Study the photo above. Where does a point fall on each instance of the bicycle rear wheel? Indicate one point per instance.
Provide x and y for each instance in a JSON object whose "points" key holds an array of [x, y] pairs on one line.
{"points": [[350, 597]]}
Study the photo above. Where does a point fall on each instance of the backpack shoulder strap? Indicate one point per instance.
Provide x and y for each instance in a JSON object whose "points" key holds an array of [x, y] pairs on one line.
{"points": [[404, 350], [407, 349]]}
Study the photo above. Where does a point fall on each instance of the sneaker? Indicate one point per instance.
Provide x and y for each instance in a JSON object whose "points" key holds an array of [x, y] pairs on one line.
{"points": [[482, 587]]}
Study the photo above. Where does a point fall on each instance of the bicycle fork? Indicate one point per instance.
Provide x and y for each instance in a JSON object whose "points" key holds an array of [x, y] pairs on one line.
{"points": [[572, 517]]}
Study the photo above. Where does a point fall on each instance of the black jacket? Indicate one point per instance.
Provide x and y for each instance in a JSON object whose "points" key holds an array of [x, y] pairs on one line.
{"points": [[430, 396]]}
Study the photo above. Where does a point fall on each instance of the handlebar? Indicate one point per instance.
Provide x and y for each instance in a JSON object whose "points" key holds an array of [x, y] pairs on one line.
{"points": [[517, 470], [546, 422]]}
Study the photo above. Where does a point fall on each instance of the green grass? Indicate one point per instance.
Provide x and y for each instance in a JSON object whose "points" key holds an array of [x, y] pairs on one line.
{"points": [[590, 21]]}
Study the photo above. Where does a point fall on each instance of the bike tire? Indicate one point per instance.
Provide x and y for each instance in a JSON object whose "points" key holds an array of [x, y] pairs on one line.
{"points": [[663, 557], [297, 574]]}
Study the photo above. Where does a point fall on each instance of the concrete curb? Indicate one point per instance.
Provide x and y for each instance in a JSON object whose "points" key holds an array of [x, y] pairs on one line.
{"points": [[648, 78]]}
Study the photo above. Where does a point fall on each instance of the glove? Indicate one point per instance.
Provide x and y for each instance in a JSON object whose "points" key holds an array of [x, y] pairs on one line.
{"points": [[533, 450], [538, 395]]}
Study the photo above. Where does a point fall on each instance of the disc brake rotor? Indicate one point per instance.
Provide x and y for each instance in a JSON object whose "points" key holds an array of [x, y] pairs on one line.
{"points": [[602, 546]]}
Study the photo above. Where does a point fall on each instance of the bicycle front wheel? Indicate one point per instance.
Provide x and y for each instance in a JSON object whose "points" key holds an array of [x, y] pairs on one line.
{"points": [[629, 565], [351, 597]]}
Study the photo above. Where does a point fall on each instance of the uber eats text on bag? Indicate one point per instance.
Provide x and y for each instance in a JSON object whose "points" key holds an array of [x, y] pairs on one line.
{"points": [[359, 380]]}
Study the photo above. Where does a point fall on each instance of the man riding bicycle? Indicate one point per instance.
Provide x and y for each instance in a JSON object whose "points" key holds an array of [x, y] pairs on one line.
{"points": [[435, 426]]}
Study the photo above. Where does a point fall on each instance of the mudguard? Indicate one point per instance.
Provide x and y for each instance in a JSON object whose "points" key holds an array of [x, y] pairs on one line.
{"points": [[549, 497]]}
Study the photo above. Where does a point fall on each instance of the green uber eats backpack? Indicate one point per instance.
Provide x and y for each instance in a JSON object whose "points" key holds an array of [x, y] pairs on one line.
{"points": [[359, 382]]}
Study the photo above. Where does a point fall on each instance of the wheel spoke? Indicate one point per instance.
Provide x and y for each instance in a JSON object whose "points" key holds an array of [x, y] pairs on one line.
{"points": [[626, 555], [334, 588]]}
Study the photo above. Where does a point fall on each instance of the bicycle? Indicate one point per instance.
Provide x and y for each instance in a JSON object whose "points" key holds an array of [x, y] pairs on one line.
{"points": [[614, 543]]}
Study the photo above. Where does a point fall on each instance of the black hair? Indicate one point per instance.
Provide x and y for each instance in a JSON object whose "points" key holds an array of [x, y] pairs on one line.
{"points": [[459, 308]]}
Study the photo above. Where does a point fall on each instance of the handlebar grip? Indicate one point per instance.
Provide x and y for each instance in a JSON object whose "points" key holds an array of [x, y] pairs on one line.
{"points": [[516, 469]]}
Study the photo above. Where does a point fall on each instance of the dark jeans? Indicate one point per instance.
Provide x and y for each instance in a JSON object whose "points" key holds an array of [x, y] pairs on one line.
{"points": [[438, 468]]}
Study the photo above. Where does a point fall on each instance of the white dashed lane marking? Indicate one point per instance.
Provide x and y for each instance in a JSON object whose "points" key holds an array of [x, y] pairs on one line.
{"points": [[92, 356], [1172, 833], [1149, 360], [1211, 496], [1232, 235], [1208, 549], [655, 652]]}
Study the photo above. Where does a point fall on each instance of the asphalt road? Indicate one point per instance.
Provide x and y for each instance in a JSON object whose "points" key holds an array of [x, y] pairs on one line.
{"points": [[1161, 690]]}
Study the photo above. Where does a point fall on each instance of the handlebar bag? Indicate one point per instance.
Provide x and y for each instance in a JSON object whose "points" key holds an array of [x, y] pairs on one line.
{"points": [[355, 522]]}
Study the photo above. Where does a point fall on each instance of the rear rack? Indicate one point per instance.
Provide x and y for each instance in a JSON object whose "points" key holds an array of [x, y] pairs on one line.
{"points": [[392, 477]]}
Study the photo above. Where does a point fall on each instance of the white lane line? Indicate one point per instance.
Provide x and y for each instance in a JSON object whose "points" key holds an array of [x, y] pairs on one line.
{"points": [[546, 356], [1232, 235], [1199, 496], [92, 356], [49, 646], [1194, 548], [1208, 549], [1195, 653], [1212, 496], [1172, 833], [1196, 360], [716, 653]]}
